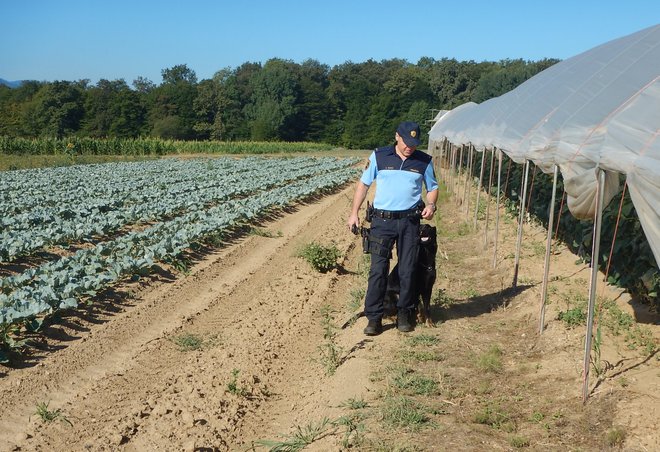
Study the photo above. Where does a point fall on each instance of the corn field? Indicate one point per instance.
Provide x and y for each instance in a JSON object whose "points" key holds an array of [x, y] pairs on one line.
{"points": [[147, 146]]}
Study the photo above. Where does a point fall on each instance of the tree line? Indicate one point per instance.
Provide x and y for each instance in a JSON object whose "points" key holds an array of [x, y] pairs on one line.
{"points": [[354, 105]]}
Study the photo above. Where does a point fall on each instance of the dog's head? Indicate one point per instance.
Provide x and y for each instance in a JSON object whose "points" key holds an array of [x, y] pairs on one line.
{"points": [[427, 234]]}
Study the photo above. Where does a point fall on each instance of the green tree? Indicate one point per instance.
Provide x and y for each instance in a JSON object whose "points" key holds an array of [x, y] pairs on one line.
{"points": [[56, 110], [143, 85], [273, 106], [171, 105], [505, 76], [312, 108]]}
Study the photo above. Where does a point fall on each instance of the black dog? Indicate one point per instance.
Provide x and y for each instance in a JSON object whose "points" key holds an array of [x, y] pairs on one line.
{"points": [[424, 277]]}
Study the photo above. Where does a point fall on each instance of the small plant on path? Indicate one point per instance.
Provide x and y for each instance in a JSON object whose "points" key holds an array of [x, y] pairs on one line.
{"points": [[303, 437], [233, 387], [331, 353], [321, 258], [47, 415]]}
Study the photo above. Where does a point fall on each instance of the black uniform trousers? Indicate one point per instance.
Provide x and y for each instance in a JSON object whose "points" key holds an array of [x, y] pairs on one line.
{"points": [[384, 234]]}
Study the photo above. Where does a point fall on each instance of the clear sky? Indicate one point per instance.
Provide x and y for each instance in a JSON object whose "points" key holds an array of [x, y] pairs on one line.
{"points": [[93, 39]]}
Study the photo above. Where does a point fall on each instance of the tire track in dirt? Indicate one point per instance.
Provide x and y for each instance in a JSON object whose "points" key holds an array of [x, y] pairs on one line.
{"points": [[121, 383]]}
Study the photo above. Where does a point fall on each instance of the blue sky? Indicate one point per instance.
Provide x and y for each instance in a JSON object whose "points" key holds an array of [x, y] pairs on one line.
{"points": [[76, 39]]}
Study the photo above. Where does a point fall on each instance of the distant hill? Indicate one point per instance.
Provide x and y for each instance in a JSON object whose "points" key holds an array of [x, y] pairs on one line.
{"points": [[14, 84]]}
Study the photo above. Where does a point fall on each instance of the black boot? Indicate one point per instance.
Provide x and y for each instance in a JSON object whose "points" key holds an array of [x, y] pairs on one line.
{"points": [[374, 327], [403, 322]]}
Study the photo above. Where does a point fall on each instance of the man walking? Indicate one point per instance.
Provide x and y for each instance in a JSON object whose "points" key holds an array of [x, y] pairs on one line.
{"points": [[400, 171]]}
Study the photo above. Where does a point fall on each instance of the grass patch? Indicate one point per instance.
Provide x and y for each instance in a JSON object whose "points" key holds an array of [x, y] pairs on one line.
{"points": [[491, 360], [423, 339], [355, 404], [302, 437], [420, 355], [354, 429], [409, 381], [518, 441], [188, 342], [494, 416], [404, 413], [616, 436], [470, 292]]}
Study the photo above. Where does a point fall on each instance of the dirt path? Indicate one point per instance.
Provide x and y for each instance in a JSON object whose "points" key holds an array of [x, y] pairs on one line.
{"points": [[229, 355]]}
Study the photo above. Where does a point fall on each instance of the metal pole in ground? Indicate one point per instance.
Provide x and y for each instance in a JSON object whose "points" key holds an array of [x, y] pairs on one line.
{"points": [[469, 183], [548, 247], [459, 200], [490, 184], [598, 217], [521, 219], [481, 176], [468, 177], [497, 211], [450, 178]]}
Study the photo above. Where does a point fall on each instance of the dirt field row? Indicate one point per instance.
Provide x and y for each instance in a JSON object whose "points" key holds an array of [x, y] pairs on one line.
{"points": [[252, 349]]}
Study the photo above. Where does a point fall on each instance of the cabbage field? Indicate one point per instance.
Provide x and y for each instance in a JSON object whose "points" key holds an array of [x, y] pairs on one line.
{"points": [[123, 218]]}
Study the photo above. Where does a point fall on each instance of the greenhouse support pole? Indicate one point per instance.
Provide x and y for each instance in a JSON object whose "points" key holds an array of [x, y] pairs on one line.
{"points": [[438, 161], [459, 200], [548, 247], [455, 181], [481, 176], [490, 184], [521, 219], [497, 211], [468, 182], [450, 168], [598, 217], [445, 152]]}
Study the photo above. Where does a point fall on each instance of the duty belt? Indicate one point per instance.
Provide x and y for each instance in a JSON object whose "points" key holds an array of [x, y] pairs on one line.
{"points": [[396, 214]]}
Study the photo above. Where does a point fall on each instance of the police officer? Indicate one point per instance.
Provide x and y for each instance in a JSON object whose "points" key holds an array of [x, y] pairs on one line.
{"points": [[399, 171]]}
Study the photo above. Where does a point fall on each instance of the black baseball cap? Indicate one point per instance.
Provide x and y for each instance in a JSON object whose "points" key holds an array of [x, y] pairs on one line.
{"points": [[409, 132]]}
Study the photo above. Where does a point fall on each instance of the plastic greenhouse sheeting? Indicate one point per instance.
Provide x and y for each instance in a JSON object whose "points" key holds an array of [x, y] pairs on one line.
{"points": [[598, 109]]}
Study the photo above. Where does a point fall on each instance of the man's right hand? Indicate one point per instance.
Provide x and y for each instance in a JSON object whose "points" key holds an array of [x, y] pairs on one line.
{"points": [[353, 224]]}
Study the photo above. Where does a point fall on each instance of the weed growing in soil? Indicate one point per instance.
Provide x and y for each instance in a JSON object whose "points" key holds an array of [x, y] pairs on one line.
{"points": [[47, 415], [416, 384], [303, 437], [321, 258], [493, 415], [616, 436], [420, 355], [355, 404], [331, 353], [402, 412], [188, 342], [424, 340], [518, 442], [574, 316], [355, 302], [354, 426], [491, 361], [261, 232], [233, 387]]}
